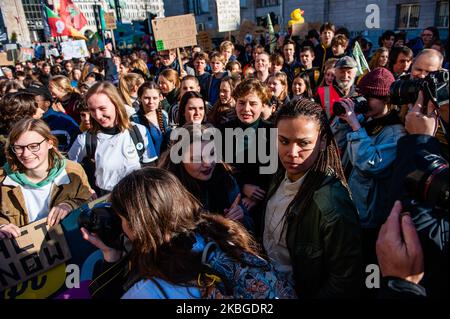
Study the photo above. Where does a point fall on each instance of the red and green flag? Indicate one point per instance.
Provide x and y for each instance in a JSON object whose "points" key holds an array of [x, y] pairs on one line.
{"points": [[57, 26], [71, 14]]}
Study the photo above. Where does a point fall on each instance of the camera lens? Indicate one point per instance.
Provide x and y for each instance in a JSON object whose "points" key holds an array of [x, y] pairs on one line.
{"points": [[338, 108], [104, 222]]}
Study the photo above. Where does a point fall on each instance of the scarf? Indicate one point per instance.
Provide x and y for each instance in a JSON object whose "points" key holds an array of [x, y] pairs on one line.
{"points": [[22, 179]]}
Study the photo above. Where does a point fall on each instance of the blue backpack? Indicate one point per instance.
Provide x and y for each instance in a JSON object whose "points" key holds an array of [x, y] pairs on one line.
{"points": [[252, 278]]}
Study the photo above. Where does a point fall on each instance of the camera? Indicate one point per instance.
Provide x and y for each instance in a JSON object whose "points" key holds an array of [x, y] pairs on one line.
{"points": [[360, 106], [429, 182], [434, 86], [103, 221], [427, 197]]}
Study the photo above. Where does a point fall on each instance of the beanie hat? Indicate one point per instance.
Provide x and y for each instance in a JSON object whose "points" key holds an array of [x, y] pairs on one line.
{"points": [[376, 83]]}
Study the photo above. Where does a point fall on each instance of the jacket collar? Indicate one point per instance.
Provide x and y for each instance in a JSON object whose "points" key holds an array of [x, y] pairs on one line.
{"points": [[61, 179]]}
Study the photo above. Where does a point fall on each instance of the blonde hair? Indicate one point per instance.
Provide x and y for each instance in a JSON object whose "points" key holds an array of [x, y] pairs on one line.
{"points": [[107, 88], [28, 124], [126, 83], [226, 45], [171, 76], [140, 65], [63, 83]]}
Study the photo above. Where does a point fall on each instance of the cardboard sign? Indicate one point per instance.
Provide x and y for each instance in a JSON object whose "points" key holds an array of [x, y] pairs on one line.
{"points": [[247, 27], [110, 21], [58, 282], [175, 32], [228, 15], [74, 49], [37, 250], [5, 59], [204, 41]]}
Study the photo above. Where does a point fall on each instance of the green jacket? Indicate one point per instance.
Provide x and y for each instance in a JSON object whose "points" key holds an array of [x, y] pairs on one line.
{"points": [[324, 243]]}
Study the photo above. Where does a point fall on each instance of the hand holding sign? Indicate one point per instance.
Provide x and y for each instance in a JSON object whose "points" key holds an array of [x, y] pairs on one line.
{"points": [[9, 231], [58, 213]]}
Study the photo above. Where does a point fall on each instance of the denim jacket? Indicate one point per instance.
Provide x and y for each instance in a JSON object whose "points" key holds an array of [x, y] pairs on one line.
{"points": [[372, 158]]}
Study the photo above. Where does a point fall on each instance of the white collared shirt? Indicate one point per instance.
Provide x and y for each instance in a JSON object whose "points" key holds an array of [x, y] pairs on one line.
{"points": [[274, 239], [37, 200]]}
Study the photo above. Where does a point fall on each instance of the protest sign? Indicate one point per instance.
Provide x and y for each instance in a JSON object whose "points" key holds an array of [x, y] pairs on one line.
{"points": [[26, 54], [175, 32], [228, 15], [67, 280], [247, 27], [110, 21], [204, 40], [35, 251], [5, 59], [74, 49]]}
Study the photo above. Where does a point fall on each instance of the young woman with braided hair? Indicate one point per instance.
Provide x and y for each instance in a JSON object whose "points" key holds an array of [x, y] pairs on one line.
{"points": [[152, 116], [311, 226]]}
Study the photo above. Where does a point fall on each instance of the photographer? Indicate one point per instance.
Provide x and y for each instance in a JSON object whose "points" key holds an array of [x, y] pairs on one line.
{"points": [[422, 123], [171, 256], [371, 148]]}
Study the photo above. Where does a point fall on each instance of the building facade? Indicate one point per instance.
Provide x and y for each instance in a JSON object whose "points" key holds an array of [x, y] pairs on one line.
{"points": [[15, 22], [358, 16]]}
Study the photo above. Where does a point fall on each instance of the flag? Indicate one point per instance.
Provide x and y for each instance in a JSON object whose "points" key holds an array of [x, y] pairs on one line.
{"points": [[57, 25], [358, 55], [272, 38], [47, 31], [71, 14]]}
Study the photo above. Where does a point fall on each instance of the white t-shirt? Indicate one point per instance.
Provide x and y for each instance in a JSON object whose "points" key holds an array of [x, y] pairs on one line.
{"points": [[115, 155], [274, 238], [37, 200]]}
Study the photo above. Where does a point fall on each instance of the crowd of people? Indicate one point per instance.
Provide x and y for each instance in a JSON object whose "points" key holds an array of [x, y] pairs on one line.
{"points": [[74, 130]]}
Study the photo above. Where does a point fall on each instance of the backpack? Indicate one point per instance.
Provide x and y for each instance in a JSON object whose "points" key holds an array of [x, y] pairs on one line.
{"points": [[252, 278], [88, 161]]}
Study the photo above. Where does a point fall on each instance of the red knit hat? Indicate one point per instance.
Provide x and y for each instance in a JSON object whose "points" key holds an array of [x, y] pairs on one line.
{"points": [[376, 83]]}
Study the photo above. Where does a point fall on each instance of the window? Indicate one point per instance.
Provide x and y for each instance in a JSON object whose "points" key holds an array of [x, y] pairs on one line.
{"points": [[442, 14], [197, 7], [267, 3], [408, 16]]}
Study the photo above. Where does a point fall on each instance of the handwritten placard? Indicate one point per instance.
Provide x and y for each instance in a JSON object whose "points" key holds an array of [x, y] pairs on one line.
{"points": [[228, 15], [175, 32], [38, 249]]}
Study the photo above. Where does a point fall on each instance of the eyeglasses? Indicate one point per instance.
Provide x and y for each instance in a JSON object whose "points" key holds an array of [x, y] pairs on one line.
{"points": [[164, 56], [32, 147]]}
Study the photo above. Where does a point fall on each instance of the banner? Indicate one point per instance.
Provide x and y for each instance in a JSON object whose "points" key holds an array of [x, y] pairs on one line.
{"points": [[74, 49], [175, 32], [228, 15], [69, 279]]}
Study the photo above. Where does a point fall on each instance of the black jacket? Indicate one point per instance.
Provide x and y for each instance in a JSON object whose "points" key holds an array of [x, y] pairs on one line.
{"points": [[324, 242]]}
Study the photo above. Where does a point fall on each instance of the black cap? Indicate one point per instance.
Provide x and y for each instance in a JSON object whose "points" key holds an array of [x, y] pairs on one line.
{"points": [[41, 90]]}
